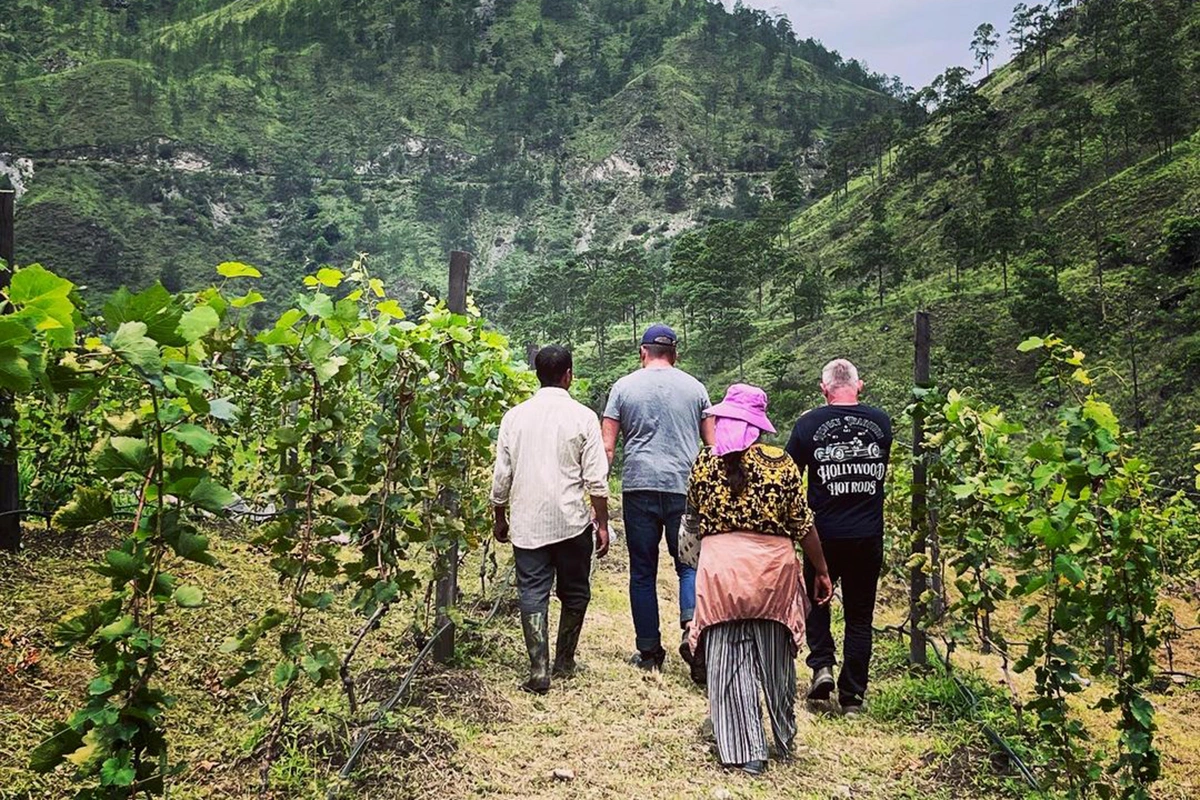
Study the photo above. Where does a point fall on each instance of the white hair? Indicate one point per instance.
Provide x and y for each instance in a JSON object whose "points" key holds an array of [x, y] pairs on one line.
{"points": [[838, 373]]}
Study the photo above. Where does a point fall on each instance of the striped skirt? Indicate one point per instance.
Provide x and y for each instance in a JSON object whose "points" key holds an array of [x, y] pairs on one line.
{"points": [[742, 657]]}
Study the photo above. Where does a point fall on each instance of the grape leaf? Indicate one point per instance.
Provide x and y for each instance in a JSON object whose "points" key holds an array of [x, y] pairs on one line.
{"points": [[236, 269]]}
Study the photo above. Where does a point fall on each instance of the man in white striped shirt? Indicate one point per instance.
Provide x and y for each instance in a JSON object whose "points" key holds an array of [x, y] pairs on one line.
{"points": [[549, 458]]}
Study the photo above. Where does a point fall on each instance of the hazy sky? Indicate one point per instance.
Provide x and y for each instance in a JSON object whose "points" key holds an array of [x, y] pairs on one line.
{"points": [[915, 39]]}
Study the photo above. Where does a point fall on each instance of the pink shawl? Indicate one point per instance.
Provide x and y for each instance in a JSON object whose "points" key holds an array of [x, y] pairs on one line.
{"points": [[734, 435]]}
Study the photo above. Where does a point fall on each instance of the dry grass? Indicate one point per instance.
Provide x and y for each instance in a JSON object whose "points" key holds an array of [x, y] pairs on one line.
{"points": [[469, 732], [625, 733]]}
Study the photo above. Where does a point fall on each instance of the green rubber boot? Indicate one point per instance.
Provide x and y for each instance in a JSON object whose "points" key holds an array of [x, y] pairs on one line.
{"points": [[570, 625], [536, 628]]}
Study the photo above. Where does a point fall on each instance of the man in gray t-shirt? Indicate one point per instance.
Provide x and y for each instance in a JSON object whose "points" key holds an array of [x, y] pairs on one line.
{"points": [[658, 410]]}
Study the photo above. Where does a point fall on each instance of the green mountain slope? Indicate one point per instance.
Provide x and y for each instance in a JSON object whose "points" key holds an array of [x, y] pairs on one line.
{"points": [[161, 135], [1054, 178]]}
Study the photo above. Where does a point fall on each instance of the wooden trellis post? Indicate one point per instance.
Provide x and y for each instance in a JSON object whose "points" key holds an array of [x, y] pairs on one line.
{"points": [[447, 581], [10, 488], [920, 505]]}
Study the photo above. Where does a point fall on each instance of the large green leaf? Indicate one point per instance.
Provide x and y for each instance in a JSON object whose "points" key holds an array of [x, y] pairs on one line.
{"points": [[236, 269], [118, 770], [139, 351], [50, 753], [326, 276], [118, 629], [191, 374], [248, 299], [317, 305], [154, 307], [189, 596], [197, 322], [199, 439], [88, 506], [16, 349], [279, 336], [211, 496], [121, 565], [222, 409], [124, 454], [46, 297], [191, 546]]}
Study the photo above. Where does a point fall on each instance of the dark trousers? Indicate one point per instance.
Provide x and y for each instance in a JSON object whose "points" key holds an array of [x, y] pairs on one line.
{"points": [[856, 563], [648, 517], [570, 561]]}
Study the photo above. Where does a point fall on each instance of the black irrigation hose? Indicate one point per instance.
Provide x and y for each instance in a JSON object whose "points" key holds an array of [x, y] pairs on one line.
{"points": [[973, 701], [500, 595], [27, 512], [363, 738], [391, 703]]}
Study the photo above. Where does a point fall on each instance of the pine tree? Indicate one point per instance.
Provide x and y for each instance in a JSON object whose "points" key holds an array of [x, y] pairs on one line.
{"points": [[786, 186], [983, 46]]}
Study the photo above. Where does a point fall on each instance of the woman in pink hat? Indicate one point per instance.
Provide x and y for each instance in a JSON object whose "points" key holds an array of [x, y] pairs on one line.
{"points": [[746, 504]]}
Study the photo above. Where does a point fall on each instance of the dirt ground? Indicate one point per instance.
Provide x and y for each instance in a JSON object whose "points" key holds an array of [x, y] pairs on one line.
{"points": [[468, 732], [621, 732]]}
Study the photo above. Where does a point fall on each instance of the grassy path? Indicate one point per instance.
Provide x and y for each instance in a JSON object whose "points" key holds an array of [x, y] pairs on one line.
{"points": [[624, 733]]}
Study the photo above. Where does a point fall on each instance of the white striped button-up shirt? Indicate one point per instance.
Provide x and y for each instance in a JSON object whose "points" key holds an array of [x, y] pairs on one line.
{"points": [[549, 459]]}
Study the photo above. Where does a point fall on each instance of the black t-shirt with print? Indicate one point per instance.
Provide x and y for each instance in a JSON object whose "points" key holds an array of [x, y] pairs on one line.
{"points": [[845, 451]]}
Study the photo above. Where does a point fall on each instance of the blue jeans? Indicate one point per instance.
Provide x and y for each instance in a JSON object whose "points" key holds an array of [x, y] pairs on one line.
{"points": [[647, 516]]}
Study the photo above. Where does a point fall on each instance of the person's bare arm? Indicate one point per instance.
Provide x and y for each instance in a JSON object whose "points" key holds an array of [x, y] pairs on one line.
{"points": [[610, 429], [595, 480], [500, 526], [708, 430], [502, 475], [822, 590], [600, 509]]}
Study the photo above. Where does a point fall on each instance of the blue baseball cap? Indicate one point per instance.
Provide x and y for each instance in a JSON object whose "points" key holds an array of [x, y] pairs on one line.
{"points": [[660, 335]]}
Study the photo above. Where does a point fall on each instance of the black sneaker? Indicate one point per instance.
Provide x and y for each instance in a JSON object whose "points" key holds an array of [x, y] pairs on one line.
{"points": [[649, 660], [852, 706], [822, 684]]}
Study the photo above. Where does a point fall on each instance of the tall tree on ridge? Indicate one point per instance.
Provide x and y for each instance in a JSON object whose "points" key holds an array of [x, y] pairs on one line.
{"points": [[984, 45]]}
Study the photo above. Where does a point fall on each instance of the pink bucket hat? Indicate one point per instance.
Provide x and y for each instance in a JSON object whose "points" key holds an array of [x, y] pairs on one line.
{"points": [[746, 403]]}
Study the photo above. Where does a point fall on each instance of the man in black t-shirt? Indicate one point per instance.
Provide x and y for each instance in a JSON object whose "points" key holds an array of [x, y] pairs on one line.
{"points": [[844, 448]]}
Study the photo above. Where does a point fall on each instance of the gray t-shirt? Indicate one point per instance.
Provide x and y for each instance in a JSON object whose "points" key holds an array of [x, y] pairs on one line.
{"points": [[659, 411]]}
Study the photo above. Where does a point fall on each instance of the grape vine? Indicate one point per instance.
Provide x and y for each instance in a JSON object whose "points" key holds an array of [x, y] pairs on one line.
{"points": [[345, 420], [1068, 524]]}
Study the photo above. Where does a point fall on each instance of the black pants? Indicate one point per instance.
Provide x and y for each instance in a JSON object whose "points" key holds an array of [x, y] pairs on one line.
{"points": [[569, 560], [856, 563]]}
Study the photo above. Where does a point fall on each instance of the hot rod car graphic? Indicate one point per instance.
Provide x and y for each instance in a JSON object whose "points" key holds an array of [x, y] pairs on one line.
{"points": [[855, 448]]}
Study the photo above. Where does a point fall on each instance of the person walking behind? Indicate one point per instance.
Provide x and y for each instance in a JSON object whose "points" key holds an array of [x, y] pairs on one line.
{"points": [[549, 456], [747, 506], [658, 410], [845, 447]]}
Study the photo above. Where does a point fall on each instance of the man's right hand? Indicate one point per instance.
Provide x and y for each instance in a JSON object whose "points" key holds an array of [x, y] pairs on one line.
{"points": [[601, 541], [500, 529]]}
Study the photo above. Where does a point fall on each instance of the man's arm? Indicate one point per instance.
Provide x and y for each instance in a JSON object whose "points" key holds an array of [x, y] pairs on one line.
{"points": [[822, 589], [500, 525], [600, 509], [610, 430], [708, 430], [501, 485], [595, 481], [610, 424]]}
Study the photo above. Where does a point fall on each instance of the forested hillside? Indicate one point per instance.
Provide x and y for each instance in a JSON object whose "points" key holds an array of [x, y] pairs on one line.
{"points": [[154, 136], [1059, 193]]}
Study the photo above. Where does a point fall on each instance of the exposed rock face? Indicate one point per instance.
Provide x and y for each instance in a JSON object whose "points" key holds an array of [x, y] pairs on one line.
{"points": [[19, 170]]}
